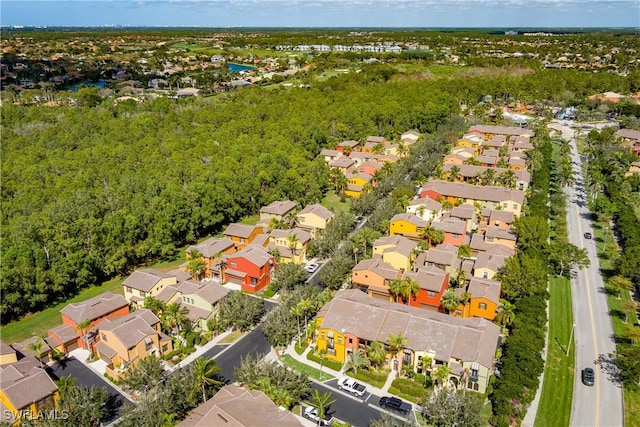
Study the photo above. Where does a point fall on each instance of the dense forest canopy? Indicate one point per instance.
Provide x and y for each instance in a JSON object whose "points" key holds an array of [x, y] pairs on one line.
{"points": [[91, 192]]}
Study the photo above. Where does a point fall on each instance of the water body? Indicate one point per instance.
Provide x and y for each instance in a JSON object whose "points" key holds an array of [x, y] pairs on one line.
{"points": [[236, 68], [100, 83]]}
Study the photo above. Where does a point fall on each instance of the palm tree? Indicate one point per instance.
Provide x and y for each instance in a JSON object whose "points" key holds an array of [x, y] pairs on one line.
{"points": [[369, 235], [82, 327], [292, 240], [464, 251], [36, 347], [276, 224], [450, 301], [322, 402], [396, 343], [175, 316], [506, 312], [508, 178], [205, 372], [307, 306], [489, 176], [453, 173], [65, 385], [196, 265], [321, 354], [356, 360], [376, 353], [441, 374], [408, 287], [428, 232], [395, 287], [297, 311]]}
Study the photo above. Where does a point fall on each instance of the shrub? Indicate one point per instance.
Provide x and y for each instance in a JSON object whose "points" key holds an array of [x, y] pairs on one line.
{"points": [[331, 364], [374, 377], [191, 339], [408, 389]]}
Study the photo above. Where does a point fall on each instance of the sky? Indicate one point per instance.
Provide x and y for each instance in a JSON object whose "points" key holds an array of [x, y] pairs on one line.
{"points": [[324, 13]]}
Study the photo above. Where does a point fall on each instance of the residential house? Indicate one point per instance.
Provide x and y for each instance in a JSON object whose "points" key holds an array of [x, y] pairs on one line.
{"points": [[472, 174], [454, 159], [26, 390], [330, 155], [314, 217], [374, 276], [520, 144], [347, 147], [126, 340], [369, 168], [143, 283], [291, 245], [353, 320], [444, 257], [484, 301], [455, 230], [95, 310], [201, 299], [473, 144], [495, 143], [433, 283], [500, 236], [242, 234], [344, 164], [372, 142], [517, 163], [236, 406], [397, 251], [425, 208], [630, 140], [357, 184], [490, 197], [466, 213], [487, 265], [211, 250], [487, 160], [478, 245], [410, 137], [634, 169], [495, 218], [250, 267], [408, 225], [488, 131], [278, 210]]}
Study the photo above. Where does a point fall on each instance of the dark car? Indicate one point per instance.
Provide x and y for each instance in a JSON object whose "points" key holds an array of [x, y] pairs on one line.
{"points": [[395, 404], [587, 235], [588, 377]]}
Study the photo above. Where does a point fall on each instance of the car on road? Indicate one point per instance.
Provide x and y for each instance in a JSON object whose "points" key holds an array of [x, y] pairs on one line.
{"points": [[396, 404], [352, 386], [587, 235], [588, 378], [311, 267], [311, 412]]}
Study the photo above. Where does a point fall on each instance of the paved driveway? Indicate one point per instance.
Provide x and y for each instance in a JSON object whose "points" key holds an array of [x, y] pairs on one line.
{"points": [[87, 378]]}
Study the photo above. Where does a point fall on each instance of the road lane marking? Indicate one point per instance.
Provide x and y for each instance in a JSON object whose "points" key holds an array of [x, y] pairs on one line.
{"points": [[593, 328]]}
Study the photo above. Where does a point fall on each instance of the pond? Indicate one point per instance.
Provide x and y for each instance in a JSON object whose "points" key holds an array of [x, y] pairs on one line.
{"points": [[100, 83]]}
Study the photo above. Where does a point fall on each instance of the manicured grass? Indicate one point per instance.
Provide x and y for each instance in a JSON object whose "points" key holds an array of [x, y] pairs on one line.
{"points": [[332, 201], [408, 390], [232, 337], [631, 407], [300, 349], [374, 377], [269, 292], [39, 323], [250, 220], [331, 364], [557, 389], [309, 370]]}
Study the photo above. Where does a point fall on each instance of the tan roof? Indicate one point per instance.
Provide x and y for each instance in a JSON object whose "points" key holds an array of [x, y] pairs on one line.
{"points": [[167, 293], [490, 261], [330, 153], [132, 328], [396, 243], [342, 162], [95, 307], [279, 207], [450, 225], [317, 210], [350, 144], [429, 278], [435, 256], [302, 235], [485, 288], [494, 215], [255, 254], [144, 280], [464, 211], [376, 139], [5, 348], [490, 160], [628, 133], [411, 218], [25, 383], [471, 171], [195, 313], [105, 350], [235, 406], [500, 233], [377, 266], [210, 292], [65, 333], [239, 230], [474, 192], [502, 130], [430, 204], [210, 247], [470, 340]]}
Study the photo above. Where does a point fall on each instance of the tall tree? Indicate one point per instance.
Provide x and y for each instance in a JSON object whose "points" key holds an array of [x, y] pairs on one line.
{"points": [[506, 312], [175, 316], [356, 360], [450, 301], [322, 402], [36, 347], [376, 353], [396, 343], [205, 371]]}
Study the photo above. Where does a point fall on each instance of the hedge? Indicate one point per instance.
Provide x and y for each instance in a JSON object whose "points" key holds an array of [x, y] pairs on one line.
{"points": [[331, 364]]}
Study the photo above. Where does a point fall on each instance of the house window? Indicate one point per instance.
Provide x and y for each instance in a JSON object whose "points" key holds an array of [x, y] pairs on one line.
{"points": [[129, 290], [431, 293], [489, 239], [165, 347], [504, 205], [458, 312], [350, 340], [234, 264], [456, 236], [521, 186], [323, 336], [142, 294], [515, 206], [406, 358], [482, 306], [485, 274], [339, 340], [330, 343], [254, 281], [474, 375], [301, 219], [104, 337]]}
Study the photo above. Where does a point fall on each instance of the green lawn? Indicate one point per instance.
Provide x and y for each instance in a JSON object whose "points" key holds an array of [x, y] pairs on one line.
{"points": [[301, 367], [232, 337], [332, 201], [557, 389], [408, 389]]}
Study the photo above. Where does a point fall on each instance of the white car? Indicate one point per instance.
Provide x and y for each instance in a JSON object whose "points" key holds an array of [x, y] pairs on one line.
{"points": [[312, 413], [311, 267]]}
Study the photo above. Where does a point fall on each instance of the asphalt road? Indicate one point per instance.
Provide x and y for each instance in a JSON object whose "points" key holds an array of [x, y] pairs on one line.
{"points": [[87, 378], [254, 343], [600, 405]]}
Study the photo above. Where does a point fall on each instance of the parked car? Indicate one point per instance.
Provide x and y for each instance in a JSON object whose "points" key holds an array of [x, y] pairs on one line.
{"points": [[311, 412], [395, 404], [311, 267], [352, 386], [588, 378], [587, 235]]}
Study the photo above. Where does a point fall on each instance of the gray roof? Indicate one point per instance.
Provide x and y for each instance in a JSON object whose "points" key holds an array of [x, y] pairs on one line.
{"points": [[439, 257], [471, 171], [430, 204], [279, 207], [318, 210], [377, 266], [500, 233], [396, 243], [485, 288], [330, 153], [377, 139], [210, 292], [144, 280], [411, 218], [95, 307], [302, 235], [501, 130], [195, 313], [25, 386], [628, 133], [255, 254], [429, 278], [5, 348], [235, 406], [494, 215], [490, 261], [342, 162], [210, 247], [66, 333], [464, 211], [474, 192], [132, 328], [239, 230], [470, 340], [350, 144], [450, 225]]}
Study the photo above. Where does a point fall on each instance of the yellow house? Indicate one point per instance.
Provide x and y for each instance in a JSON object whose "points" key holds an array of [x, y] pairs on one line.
{"points": [[408, 225], [352, 320], [25, 389], [143, 283], [397, 251], [488, 265], [314, 217], [291, 245], [7, 354], [474, 145], [357, 184], [126, 340], [485, 297], [497, 235]]}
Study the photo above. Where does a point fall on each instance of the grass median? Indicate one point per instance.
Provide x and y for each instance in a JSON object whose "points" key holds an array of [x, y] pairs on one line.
{"points": [[314, 373], [557, 387]]}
